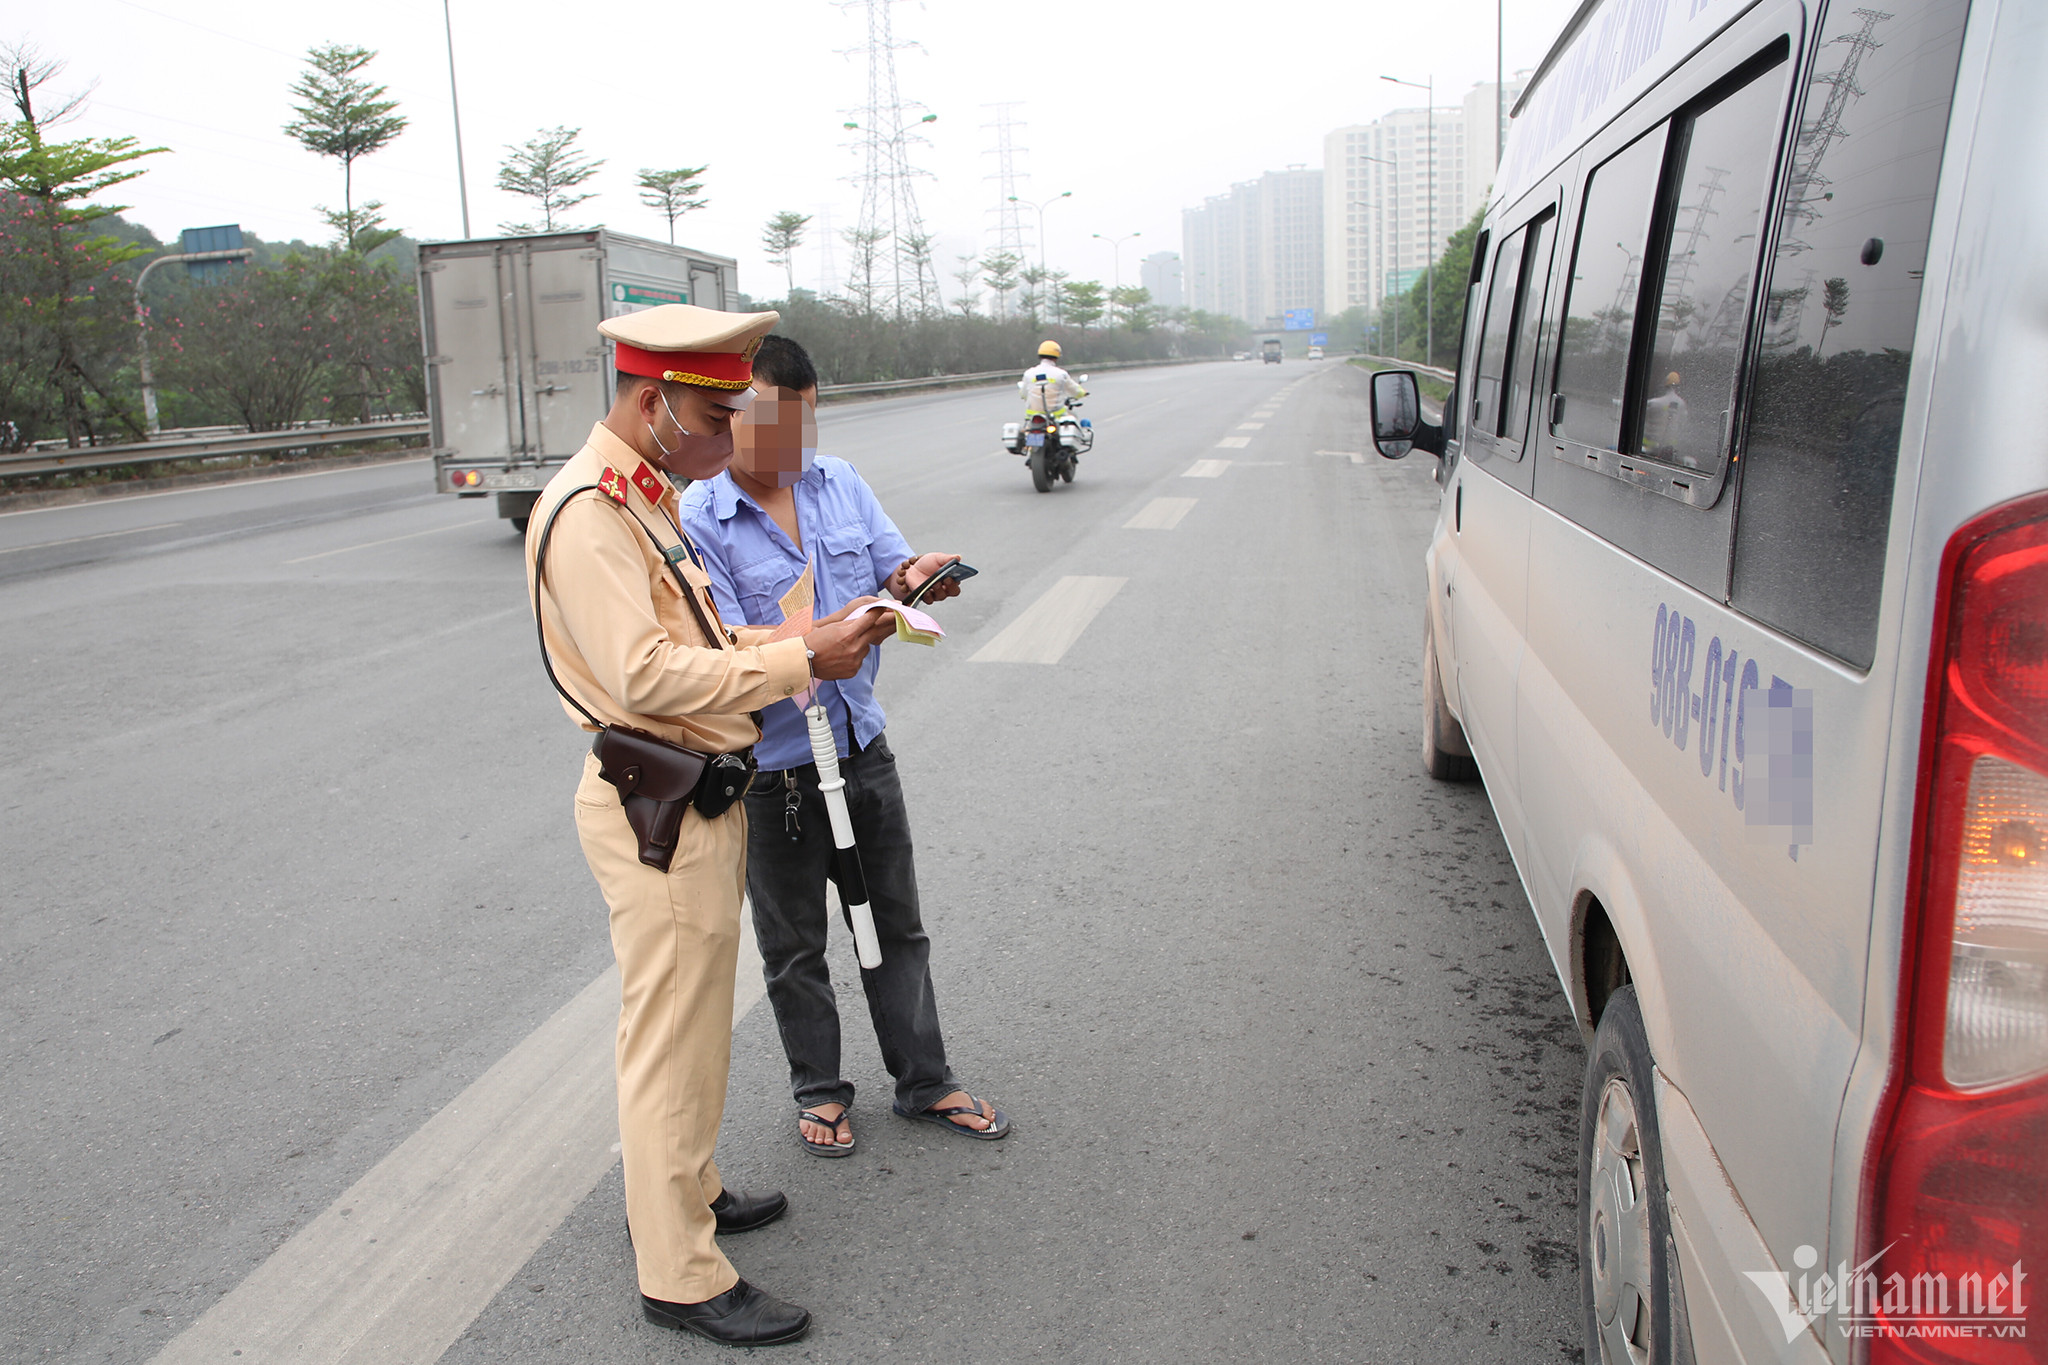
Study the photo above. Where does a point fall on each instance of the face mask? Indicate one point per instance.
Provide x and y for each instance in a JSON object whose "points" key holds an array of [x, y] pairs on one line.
{"points": [[690, 449]]}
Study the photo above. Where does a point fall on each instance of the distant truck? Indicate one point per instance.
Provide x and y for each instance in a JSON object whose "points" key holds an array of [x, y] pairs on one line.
{"points": [[516, 372], [1270, 349]]}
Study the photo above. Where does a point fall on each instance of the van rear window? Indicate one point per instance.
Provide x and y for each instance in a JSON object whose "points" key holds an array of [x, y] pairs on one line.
{"points": [[1830, 389]]}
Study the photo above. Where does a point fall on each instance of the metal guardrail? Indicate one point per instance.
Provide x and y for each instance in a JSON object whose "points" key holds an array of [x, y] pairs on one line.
{"points": [[209, 447], [1388, 362]]}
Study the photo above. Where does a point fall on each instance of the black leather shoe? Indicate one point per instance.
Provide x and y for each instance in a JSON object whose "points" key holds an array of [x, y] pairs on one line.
{"points": [[745, 1212], [741, 1316]]}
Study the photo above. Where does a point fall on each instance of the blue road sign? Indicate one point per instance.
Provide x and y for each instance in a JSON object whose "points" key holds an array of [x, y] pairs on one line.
{"points": [[1299, 319], [226, 237], [1318, 338]]}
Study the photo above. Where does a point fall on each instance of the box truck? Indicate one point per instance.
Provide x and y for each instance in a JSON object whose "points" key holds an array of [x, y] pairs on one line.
{"points": [[516, 371]]}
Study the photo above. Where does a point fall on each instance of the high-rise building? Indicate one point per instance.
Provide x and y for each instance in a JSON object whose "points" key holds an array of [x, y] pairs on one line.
{"points": [[1257, 251], [1160, 274], [1377, 192]]}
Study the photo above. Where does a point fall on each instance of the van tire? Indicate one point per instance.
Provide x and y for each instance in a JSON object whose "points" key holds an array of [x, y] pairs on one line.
{"points": [[1445, 754], [1627, 1262]]}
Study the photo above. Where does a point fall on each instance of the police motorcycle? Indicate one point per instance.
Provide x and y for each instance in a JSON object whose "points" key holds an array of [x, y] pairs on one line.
{"points": [[1050, 440]]}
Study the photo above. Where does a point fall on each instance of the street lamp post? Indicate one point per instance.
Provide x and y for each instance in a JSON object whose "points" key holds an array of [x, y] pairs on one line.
{"points": [[1429, 257], [1116, 244], [455, 106], [1041, 205], [239, 253]]}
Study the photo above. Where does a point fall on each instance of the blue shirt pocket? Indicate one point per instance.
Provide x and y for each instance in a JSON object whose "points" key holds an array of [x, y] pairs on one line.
{"points": [[848, 572], [760, 586]]}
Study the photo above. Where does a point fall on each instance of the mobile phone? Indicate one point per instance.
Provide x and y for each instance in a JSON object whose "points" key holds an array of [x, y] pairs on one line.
{"points": [[957, 569]]}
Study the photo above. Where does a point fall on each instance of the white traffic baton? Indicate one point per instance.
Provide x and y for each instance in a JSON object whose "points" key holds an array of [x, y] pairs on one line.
{"points": [[853, 886]]}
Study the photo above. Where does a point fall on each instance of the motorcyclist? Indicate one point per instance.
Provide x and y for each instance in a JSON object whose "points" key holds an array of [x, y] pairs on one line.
{"points": [[1047, 388]]}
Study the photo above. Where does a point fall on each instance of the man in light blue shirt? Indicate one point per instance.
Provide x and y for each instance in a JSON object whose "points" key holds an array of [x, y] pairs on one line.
{"points": [[779, 506]]}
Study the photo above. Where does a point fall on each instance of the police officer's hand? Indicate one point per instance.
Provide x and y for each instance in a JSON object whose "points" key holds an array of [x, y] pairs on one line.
{"points": [[839, 646]]}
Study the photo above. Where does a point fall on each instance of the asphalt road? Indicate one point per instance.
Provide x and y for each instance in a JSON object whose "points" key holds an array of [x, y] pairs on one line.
{"points": [[290, 865]]}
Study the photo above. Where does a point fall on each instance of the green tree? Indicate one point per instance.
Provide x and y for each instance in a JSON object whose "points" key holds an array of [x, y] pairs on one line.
{"points": [[346, 117], [547, 169], [1133, 306], [668, 193], [65, 322], [782, 236], [256, 348], [867, 252], [1033, 299], [968, 300], [1082, 302], [1446, 315], [999, 272]]}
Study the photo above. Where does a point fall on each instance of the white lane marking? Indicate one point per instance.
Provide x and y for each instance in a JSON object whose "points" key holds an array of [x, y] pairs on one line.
{"points": [[103, 535], [388, 540], [1350, 455], [1251, 426], [213, 487], [399, 1266], [1263, 416], [1048, 627], [1128, 411], [1233, 443], [1160, 514], [1206, 469]]}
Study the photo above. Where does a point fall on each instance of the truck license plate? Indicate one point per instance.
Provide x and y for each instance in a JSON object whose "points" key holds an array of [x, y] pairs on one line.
{"points": [[513, 478]]}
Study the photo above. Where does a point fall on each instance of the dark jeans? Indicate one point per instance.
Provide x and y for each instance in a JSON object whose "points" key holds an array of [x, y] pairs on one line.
{"points": [[787, 883]]}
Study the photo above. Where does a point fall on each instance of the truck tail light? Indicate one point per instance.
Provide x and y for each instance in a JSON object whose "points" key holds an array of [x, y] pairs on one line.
{"points": [[1955, 1196]]}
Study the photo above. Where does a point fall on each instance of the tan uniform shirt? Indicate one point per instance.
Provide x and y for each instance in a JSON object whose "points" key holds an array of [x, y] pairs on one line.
{"points": [[616, 626]]}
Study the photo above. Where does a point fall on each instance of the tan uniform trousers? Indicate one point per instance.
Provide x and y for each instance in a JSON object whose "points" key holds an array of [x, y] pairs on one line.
{"points": [[677, 937]]}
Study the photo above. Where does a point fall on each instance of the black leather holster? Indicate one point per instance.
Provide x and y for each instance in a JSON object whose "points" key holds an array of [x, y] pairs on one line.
{"points": [[658, 782]]}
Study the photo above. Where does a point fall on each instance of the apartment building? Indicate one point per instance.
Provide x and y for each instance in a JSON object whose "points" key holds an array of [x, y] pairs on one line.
{"points": [[1257, 251], [1160, 274], [1398, 187]]}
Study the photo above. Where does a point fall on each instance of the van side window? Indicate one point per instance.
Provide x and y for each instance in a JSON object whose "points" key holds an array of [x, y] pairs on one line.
{"points": [[1721, 173], [1521, 362], [1606, 276], [1829, 392], [1491, 381]]}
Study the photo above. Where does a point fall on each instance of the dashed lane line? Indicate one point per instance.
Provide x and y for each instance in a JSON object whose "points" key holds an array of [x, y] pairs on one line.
{"points": [[1160, 514], [79, 540], [1048, 627], [388, 540], [1233, 443], [1251, 426], [1206, 469], [400, 1265]]}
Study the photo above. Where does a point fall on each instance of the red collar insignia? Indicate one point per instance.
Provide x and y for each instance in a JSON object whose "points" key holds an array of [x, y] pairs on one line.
{"points": [[613, 485], [648, 483]]}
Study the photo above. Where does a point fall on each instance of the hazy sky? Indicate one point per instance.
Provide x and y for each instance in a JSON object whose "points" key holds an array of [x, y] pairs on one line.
{"points": [[1139, 108]]}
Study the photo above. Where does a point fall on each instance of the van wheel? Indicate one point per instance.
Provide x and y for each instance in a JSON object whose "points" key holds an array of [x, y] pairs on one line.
{"points": [[1445, 754], [1626, 1265]]}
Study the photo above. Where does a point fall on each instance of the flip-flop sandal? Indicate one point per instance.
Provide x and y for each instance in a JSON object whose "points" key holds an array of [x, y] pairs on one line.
{"points": [[825, 1148], [999, 1126]]}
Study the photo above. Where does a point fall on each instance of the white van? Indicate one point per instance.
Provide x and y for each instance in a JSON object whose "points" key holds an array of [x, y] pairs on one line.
{"points": [[1738, 599]]}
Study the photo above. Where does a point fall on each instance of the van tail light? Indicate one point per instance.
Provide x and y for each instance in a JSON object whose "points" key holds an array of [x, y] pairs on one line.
{"points": [[1955, 1194]]}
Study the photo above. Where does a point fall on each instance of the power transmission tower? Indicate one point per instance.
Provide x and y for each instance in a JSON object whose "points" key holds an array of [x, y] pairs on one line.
{"points": [[1809, 188], [828, 272], [904, 281], [1009, 209]]}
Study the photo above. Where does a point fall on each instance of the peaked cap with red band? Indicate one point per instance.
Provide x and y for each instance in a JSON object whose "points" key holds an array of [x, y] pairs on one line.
{"points": [[689, 345]]}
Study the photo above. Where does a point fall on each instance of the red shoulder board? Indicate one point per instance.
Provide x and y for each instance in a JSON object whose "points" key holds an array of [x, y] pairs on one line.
{"points": [[645, 480], [613, 485]]}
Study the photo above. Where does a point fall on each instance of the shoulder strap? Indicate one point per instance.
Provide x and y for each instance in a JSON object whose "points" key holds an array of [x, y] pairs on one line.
{"points": [[668, 557], [540, 559]]}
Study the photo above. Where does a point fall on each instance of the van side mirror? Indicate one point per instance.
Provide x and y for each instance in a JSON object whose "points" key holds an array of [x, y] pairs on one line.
{"points": [[1397, 425]]}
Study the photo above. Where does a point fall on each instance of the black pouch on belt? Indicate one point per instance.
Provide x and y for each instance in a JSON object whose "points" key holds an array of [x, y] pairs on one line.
{"points": [[656, 781]]}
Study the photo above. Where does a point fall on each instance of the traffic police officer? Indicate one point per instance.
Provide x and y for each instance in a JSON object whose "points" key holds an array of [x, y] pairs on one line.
{"points": [[630, 649]]}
